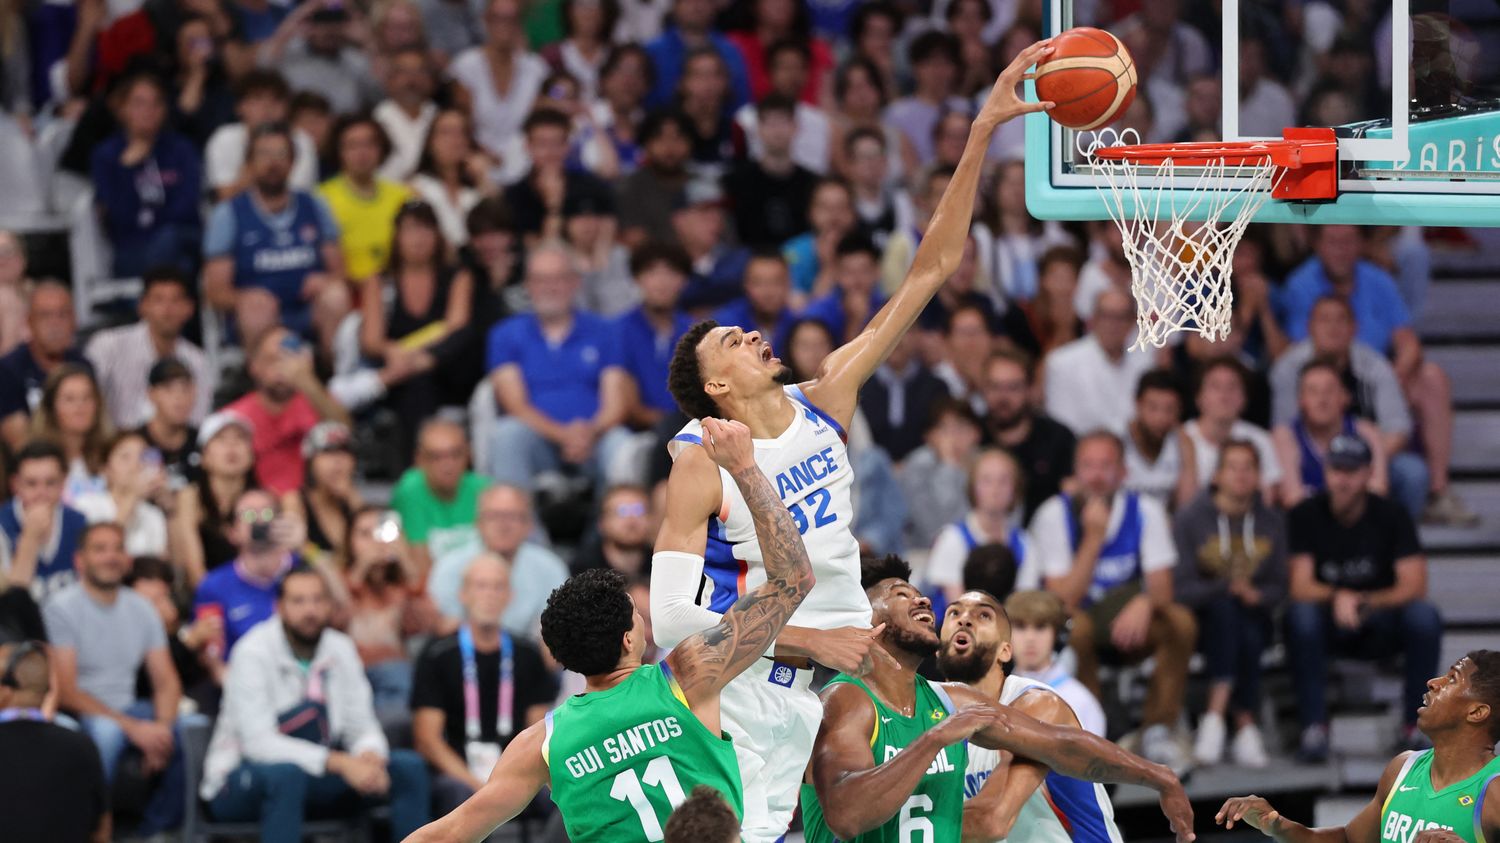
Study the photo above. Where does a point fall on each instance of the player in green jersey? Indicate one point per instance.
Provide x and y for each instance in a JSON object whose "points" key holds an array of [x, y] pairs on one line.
{"points": [[620, 756], [888, 762], [1446, 794]]}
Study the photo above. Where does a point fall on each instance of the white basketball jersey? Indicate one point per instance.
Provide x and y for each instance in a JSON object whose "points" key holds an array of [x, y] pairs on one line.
{"points": [[1062, 809], [808, 466]]}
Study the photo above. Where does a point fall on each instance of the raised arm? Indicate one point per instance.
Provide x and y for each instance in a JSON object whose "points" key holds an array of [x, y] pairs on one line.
{"points": [[836, 387], [1257, 813], [705, 662], [992, 812], [520, 773]]}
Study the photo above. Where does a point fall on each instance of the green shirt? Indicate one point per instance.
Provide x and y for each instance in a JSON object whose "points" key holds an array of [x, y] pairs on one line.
{"points": [[1413, 806], [443, 525], [620, 760], [934, 813]]}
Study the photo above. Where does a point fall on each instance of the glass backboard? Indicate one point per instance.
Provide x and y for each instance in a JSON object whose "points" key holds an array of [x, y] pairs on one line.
{"points": [[1411, 87]]}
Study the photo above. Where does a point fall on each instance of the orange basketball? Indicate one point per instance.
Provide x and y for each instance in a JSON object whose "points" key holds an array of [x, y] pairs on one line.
{"points": [[1089, 76]]}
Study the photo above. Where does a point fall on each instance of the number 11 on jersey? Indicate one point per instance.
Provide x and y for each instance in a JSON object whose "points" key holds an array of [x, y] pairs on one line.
{"points": [[628, 788]]}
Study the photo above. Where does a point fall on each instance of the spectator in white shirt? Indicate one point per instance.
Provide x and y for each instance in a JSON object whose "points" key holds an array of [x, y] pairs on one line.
{"points": [[993, 518], [1154, 452], [1090, 382], [787, 64], [1265, 105], [262, 97], [407, 113], [1222, 387], [122, 357], [503, 55], [1038, 633], [132, 485]]}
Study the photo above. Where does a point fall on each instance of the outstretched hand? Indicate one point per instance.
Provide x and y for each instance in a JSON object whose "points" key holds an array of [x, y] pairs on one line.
{"points": [[1253, 811], [1004, 102]]}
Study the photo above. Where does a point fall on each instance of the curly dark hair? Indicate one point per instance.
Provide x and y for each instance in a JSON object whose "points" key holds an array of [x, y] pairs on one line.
{"points": [[584, 620], [874, 570], [685, 374], [704, 817]]}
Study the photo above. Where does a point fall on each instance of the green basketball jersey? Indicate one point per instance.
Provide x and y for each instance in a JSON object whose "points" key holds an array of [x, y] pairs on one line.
{"points": [[934, 813], [1413, 806], [620, 760]]}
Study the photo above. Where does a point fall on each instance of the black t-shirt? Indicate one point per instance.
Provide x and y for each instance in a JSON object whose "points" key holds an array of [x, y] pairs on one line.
{"points": [[1361, 556], [768, 209], [20, 618], [21, 379], [57, 793], [530, 212], [438, 682], [181, 464], [1046, 458]]}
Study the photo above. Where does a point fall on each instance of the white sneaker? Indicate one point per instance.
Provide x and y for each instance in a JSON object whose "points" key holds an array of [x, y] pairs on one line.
{"points": [[1160, 745], [1248, 749], [1209, 748]]}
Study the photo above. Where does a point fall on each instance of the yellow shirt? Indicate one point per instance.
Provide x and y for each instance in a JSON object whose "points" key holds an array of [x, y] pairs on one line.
{"points": [[365, 223]]}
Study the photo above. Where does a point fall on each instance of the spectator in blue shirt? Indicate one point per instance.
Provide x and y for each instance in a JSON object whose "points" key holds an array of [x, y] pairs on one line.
{"points": [[701, 223], [765, 306], [52, 324], [244, 592], [147, 183], [558, 378], [273, 249], [38, 532], [649, 333], [855, 298], [1382, 322], [810, 255], [691, 28]]}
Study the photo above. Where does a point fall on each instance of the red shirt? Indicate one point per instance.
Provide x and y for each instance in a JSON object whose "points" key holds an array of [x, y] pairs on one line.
{"points": [[278, 439]]}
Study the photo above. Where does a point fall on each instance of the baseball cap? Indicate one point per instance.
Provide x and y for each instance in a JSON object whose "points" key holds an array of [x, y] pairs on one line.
{"points": [[217, 422], [167, 370], [1348, 452], [326, 436], [699, 192]]}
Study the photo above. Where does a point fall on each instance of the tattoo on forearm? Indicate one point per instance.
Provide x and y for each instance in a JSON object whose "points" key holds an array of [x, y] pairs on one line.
{"points": [[745, 631]]}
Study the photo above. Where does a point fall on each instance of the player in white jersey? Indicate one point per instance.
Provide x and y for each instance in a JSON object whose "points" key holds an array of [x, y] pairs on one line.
{"points": [[706, 553], [1027, 803]]}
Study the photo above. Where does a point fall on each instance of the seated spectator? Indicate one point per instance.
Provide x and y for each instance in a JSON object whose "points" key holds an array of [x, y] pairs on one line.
{"points": [[1021, 241], [700, 226], [363, 202], [881, 207], [261, 97], [1105, 269], [773, 22], [387, 608], [123, 357], [935, 64], [625, 537], [897, 400], [769, 192], [966, 343], [994, 491], [329, 57], [648, 334], [1108, 554], [309, 113], [1323, 414], [1220, 394], [168, 429], [1383, 323], [102, 635], [14, 285], [704, 97], [203, 518], [197, 647], [691, 27], [934, 477], [1090, 382], [855, 297], [813, 129], [900, 249], [558, 379], [505, 524], [475, 690], [503, 54], [808, 342], [59, 793], [1042, 446], [272, 758], [328, 499], [615, 111], [1038, 633], [537, 199], [287, 403], [38, 532], [654, 189], [1375, 394], [131, 488], [1154, 451], [588, 226], [1231, 571], [960, 291], [147, 181], [452, 174], [587, 29], [50, 321], [438, 497], [1358, 588], [766, 305], [407, 112], [812, 256], [244, 591], [1052, 319], [71, 415]]}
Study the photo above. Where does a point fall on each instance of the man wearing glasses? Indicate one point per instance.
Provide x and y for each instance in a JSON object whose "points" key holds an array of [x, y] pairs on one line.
{"points": [[244, 591]]}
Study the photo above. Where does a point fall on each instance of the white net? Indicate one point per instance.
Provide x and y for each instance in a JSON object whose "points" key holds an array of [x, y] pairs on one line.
{"points": [[1180, 269]]}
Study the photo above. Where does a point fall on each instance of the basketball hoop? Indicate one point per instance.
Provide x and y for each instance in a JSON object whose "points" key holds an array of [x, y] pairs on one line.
{"points": [[1180, 269]]}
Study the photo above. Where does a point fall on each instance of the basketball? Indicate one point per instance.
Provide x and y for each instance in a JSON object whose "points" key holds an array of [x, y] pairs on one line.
{"points": [[1089, 76]]}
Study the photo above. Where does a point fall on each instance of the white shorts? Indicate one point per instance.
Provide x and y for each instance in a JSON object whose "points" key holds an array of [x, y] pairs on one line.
{"points": [[772, 714]]}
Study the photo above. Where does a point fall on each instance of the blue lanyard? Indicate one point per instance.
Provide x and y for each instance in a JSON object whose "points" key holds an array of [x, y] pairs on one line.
{"points": [[504, 719], [11, 714]]}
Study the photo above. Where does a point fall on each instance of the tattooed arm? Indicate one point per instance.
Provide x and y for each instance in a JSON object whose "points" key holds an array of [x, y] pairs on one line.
{"points": [[705, 662]]}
